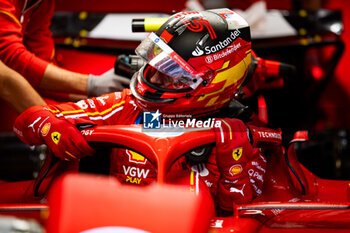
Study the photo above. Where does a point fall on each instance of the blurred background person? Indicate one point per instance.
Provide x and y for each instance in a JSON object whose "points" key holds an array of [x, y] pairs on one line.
{"points": [[27, 46]]}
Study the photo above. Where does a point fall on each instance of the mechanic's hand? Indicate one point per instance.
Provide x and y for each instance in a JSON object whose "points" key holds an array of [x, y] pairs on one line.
{"points": [[37, 125], [234, 153], [105, 83]]}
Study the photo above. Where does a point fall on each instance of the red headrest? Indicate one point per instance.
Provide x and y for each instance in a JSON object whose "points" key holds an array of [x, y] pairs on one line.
{"points": [[82, 202]]}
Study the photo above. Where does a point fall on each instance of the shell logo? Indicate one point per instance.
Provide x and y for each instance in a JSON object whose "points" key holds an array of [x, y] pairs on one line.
{"points": [[236, 170], [45, 129], [135, 157]]}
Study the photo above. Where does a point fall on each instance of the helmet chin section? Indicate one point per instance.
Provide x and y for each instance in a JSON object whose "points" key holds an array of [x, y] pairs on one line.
{"points": [[145, 100]]}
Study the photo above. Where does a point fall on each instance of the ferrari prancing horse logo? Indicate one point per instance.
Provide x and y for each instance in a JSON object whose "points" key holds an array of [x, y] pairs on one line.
{"points": [[55, 136], [237, 153]]}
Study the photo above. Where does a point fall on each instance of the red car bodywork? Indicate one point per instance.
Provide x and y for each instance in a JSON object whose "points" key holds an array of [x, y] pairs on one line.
{"points": [[293, 199]]}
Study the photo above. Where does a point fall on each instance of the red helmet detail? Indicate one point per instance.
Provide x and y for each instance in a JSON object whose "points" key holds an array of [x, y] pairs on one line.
{"points": [[203, 58]]}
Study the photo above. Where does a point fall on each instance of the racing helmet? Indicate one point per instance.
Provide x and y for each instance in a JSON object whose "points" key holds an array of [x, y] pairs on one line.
{"points": [[202, 59]]}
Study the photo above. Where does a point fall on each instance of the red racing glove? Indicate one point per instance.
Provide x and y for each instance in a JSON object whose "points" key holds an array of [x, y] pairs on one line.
{"points": [[241, 167], [37, 125]]}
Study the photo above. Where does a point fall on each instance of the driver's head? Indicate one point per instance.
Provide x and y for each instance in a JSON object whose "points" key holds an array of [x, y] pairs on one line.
{"points": [[196, 62]]}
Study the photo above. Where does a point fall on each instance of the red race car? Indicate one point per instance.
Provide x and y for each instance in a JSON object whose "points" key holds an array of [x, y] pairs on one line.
{"points": [[293, 199]]}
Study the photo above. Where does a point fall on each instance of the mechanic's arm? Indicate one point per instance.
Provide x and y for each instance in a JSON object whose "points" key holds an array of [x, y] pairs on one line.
{"points": [[35, 65], [17, 91], [61, 80]]}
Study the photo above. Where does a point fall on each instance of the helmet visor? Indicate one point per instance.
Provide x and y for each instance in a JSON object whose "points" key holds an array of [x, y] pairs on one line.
{"points": [[163, 58]]}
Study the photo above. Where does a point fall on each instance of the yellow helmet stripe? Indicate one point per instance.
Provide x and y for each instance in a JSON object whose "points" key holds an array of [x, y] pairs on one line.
{"points": [[237, 71]]}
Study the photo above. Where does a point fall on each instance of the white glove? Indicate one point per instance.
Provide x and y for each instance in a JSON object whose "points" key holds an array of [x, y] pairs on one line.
{"points": [[105, 83]]}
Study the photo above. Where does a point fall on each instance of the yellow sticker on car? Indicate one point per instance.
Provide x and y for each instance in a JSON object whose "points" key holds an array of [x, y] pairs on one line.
{"points": [[135, 157]]}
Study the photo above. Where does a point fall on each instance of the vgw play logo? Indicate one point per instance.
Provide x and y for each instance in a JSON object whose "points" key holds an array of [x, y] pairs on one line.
{"points": [[151, 120]]}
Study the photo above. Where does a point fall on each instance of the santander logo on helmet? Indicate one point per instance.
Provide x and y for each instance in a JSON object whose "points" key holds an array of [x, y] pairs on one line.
{"points": [[197, 52], [219, 46]]}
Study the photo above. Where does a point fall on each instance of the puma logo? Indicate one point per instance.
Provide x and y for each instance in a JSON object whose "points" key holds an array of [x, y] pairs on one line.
{"points": [[235, 190], [201, 169], [32, 125]]}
